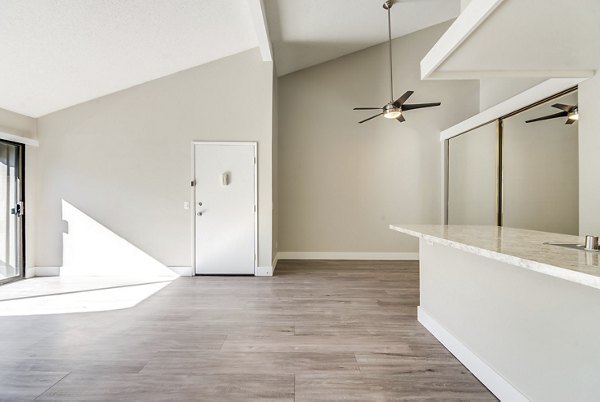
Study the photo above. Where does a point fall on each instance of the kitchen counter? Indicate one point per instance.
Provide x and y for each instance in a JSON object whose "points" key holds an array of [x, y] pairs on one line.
{"points": [[521, 315], [520, 247]]}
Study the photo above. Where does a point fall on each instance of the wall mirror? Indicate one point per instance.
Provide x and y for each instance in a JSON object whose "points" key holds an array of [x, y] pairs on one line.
{"points": [[517, 172], [472, 177]]}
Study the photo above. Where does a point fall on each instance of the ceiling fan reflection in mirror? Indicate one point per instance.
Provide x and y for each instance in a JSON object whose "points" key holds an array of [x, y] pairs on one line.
{"points": [[571, 112], [395, 108]]}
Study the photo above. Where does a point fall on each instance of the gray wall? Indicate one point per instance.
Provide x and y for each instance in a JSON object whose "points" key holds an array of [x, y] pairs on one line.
{"points": [[125, 159], [340, 183]]}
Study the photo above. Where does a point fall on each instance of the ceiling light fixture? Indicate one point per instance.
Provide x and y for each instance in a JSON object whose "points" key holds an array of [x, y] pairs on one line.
{"points": [[391, 112], [394, 109], [571, 112], [574, 115]]}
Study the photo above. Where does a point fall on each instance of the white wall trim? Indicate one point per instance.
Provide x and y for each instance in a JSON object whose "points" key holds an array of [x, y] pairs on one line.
{"points": [[263, 271], [480, 369], [275, 261], [467, 22], [19, 138], [257, 12], [543, 90], [43, 271], [294, 255], [183, 271]]}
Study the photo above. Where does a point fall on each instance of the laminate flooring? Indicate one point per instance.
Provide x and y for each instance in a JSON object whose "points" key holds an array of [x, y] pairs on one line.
{"points": [[317, 330]]}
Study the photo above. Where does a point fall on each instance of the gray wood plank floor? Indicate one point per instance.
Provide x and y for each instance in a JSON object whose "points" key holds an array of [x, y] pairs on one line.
{"points": [[317, 330]]}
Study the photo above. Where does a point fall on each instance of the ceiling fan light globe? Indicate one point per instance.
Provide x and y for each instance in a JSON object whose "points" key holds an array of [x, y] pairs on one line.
{"points": [[573, 116], [392, 114], [390, 111]]}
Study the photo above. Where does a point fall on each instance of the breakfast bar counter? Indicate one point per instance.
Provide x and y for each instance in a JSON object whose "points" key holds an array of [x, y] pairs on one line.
{"points": [[529, 249], [523, 315]]}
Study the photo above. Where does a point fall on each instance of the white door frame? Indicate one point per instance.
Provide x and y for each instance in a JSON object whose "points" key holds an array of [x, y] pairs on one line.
{"points": [[193, 195]]}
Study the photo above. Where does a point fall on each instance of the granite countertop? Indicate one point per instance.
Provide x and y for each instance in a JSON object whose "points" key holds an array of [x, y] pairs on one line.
{"points": [[520, 247]]}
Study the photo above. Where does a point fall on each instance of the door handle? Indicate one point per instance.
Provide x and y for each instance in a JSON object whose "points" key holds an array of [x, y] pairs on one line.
{"points": [[18, 210], [199, 213]]}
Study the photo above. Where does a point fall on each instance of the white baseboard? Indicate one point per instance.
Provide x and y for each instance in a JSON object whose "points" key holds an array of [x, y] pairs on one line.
{"points": [[487, 375], [293, 255], [44, 271], [183, 271], [263, 271]]}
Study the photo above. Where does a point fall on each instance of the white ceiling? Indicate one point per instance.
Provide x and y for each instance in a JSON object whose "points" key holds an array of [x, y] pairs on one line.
{"points": [[533, 38], [58, 53], [308, 32]]}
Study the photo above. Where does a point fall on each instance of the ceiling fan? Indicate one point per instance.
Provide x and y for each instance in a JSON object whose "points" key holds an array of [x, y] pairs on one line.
{"points": [[394, 109], [571, 112]]}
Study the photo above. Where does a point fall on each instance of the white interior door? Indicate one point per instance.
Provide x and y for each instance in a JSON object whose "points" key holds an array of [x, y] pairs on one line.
{"points": [[225, 215]]}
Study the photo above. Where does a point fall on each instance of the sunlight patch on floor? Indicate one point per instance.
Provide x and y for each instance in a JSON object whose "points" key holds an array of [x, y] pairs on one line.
{"points": [[101, 271], [59, 295]]}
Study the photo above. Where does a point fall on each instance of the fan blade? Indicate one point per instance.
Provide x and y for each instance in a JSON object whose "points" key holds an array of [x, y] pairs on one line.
{"points": [[561, 106], [570, 121], [401, 118], [420, 105], [551, 116], [400, 101], [372, 117], [367, 108]]}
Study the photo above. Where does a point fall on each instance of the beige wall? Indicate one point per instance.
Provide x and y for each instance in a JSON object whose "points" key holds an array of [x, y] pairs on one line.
{"points": [[125, 159], [494, 90], [17, 124], [340, 183], [589, 156]]}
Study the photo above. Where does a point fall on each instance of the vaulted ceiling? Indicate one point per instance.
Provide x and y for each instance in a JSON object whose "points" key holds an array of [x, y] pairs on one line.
{"points": [[58, 53], [309, 32]]}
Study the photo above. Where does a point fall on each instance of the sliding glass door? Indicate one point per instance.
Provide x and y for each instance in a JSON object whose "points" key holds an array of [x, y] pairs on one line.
{"points": [[11, 212]]}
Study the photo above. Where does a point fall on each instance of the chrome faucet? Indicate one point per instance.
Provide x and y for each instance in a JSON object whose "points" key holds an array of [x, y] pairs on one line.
{"points": [[591, 243]]}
